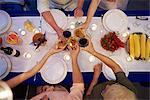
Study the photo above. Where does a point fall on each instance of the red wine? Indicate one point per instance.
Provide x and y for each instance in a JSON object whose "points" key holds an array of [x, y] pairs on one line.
{"points": [[83, 42], [66, 34], [10, 51]]}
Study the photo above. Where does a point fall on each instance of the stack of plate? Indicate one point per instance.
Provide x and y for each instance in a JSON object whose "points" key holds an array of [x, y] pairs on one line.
{"points": [[5, 66], [5, 21]]}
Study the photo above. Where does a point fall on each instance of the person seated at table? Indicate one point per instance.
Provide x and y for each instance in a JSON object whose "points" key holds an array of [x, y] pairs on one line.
{"points": [[121, 89], [57, 92], [26, 75], [104, 4], [44, 7]]}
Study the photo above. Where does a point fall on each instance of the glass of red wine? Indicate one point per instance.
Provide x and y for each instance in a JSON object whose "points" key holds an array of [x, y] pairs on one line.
{"points": [[66, 34], [83, 42]]}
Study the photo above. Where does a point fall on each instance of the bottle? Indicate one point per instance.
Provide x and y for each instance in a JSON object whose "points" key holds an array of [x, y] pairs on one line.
{"points": [[10, 51]]}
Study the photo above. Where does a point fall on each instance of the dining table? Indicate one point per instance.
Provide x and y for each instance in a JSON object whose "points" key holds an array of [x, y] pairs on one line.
{"points": [[138, 70]]}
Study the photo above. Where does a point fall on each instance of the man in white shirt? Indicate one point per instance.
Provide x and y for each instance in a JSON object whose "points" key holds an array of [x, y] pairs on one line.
{"points": [[44, 7]]}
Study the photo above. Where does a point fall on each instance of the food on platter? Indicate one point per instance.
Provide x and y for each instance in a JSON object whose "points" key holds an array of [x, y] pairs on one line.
{"points": [[79, 33], [147, 49], [13, 38], [138, 46], [111, 42], [36, 37]]}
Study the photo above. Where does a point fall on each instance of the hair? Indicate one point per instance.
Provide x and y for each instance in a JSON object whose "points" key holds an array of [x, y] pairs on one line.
{"points": [[118, 92]]}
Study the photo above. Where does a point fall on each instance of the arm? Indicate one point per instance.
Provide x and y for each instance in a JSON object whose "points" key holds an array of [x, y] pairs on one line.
{"points": [[109, 62], [97, 72], [43, 8], [78, 12], [77, 76], [93, 6], [24, 76]]}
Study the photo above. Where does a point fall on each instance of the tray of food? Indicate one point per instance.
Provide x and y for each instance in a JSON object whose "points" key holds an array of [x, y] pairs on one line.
{"points": [[138, 46]]}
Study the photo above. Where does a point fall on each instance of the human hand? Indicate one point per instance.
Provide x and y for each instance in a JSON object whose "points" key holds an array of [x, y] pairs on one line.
{"points": [[55, 49], [90, 47], [60, 34], [78, 12], [74, 51], [84, 26]]}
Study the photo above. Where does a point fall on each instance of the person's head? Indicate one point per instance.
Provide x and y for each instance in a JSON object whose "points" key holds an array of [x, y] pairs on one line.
{"points": [[118, 92]]}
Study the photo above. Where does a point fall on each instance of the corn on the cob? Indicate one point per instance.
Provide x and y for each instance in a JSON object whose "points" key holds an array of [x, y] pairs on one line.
{"points": [[143, 43], [147, 54], [137, 45], [131, 43]]}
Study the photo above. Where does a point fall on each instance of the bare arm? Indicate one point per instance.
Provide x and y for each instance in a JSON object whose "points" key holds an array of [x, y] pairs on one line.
{"points": [[91, 11], [24, 76], [43, 8], [108, 61], [77, 76], [50, 20], [80, 3]]}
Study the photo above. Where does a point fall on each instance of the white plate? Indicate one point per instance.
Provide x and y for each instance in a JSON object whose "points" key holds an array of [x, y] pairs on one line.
{"points": [[5, 71], [54, 70], [115, 20], [109, 74], [60, 18], [5, 21]]}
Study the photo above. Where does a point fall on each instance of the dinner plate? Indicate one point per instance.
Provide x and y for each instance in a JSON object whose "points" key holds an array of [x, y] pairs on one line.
{"points": [[115, 20], [109, 74], [5, 21], [5, 66], [54, 70], [59, 17]]}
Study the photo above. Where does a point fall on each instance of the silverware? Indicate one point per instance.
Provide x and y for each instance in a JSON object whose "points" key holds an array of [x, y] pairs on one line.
{"points": [[40, 25]]}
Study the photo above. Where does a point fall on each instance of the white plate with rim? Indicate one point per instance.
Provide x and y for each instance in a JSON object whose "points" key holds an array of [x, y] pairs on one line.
{"points": [[54, 70], [115, 20], [109, 74], [60, 19], [5, 21], [5, 67]]}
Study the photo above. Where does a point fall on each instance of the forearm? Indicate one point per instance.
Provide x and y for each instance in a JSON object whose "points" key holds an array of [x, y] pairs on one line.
{"points": [[50, 20], [80, 3], [109, 62], [24, 76], [93, 6], [77, 75]]}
